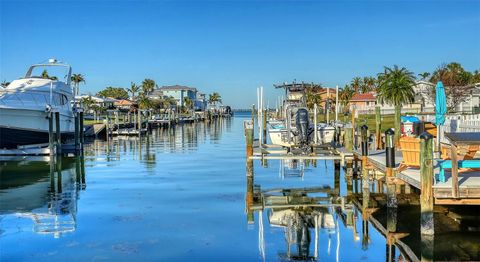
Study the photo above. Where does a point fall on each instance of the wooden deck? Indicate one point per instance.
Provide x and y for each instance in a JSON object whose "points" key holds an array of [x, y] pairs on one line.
{"points": [[469, 182]]}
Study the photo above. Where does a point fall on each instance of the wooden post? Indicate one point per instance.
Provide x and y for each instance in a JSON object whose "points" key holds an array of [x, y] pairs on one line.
{"points": [[264, 126], [353, 124], [139, 122], [248, 126], [364, 146], [427, 244], [315, 135], [58, 133], [426, 180], [365, 217], [390, 165], [51, 139], [454, 171], [249, 197], [378, 134], [82, 135], [336, 164], [77, 130], [348, 139], [107, 130]]}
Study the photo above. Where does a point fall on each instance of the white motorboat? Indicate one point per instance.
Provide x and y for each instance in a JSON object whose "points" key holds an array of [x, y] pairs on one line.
{"points": [[26, 103], [325, 134], [295, 129]]}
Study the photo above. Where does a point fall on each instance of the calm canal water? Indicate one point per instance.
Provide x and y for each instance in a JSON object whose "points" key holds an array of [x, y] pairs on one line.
{"points": [[181, 195]]}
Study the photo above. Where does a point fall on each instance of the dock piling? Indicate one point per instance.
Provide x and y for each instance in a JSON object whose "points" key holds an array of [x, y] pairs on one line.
{"points": [[250, 194], [264, 126], [77, 130], [348, 139], [248, 126], [58, 134], [315, 135], [426, 180], [364, 147], [82, 135], [51, 139], [389, 166], [378, 134]]}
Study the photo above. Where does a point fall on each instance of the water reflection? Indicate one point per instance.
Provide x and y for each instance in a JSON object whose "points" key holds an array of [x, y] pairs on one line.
{"points": [[44, 190], [302, 213], [184, 138], [368, 209]]}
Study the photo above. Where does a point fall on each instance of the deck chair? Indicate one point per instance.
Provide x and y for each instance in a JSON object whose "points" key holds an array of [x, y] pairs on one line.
{"points": [[410, 148]]}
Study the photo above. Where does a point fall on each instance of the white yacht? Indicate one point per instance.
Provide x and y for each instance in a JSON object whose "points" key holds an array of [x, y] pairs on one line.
{"points": [[26, 103]]}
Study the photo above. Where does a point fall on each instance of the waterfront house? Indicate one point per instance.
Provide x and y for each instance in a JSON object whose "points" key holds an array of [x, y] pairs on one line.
{"points": [[123, 104], [103, 102], [179, 93], [201, 102], [363, 102]]}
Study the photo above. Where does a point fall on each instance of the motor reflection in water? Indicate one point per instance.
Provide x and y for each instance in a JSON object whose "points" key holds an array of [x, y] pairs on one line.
{"points": [[43, 189], [302, 213]]}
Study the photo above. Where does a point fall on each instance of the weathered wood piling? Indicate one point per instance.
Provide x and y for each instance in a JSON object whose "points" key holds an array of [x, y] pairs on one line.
{"points": [[426, 173]]}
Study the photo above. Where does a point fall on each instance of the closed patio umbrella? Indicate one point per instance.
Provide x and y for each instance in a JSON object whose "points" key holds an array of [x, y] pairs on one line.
{"points": [[440, 109]]}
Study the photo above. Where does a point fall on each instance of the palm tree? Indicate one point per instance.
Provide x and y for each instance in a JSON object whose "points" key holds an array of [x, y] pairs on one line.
{"points": [[214, 97], [396, 88], [133, 89], [148, 85], [424, 75], [356, 83], [345, 95], [77, 79], [188, 102], [144, 102], [368, 84], [88, 103]]}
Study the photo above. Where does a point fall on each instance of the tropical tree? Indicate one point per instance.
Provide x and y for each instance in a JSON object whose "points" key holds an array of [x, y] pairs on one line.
{"points": [[356, 83], [77, 79], [458, 83], [345, 94], [396, 88], [424, 75], [87, 102], [168, 102], [148, 85], [114, 92], [368, 84], [188, 102], [214, 97], [144, 102], [133, 89], [475, 77], [313, 95]]}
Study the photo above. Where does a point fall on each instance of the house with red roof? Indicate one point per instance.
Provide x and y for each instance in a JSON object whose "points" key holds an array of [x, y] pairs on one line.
{"points": [[366, 101]]}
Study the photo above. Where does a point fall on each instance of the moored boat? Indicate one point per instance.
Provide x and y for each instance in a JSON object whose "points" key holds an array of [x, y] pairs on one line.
{"points": [[26, 103]]}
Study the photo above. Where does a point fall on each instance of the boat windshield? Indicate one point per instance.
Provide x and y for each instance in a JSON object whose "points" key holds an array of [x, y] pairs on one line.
{"points": [[60, 72], [25, 98]]}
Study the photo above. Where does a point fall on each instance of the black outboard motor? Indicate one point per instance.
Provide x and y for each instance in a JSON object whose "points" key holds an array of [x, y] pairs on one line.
{"points": [[302, 125]]}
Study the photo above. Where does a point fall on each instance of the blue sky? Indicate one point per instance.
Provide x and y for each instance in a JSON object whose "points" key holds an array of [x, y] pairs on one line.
{"points": [[232, 46]]}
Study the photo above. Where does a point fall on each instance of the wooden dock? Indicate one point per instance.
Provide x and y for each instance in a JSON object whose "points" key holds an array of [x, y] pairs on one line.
{"points": [[469, 182]]}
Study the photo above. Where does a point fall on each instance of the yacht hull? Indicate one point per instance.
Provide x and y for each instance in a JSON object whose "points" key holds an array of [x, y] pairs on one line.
{"points": [[25, 127]]}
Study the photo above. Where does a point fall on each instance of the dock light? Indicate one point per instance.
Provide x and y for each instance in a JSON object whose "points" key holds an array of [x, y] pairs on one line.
{"points": [[390, 148]]}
